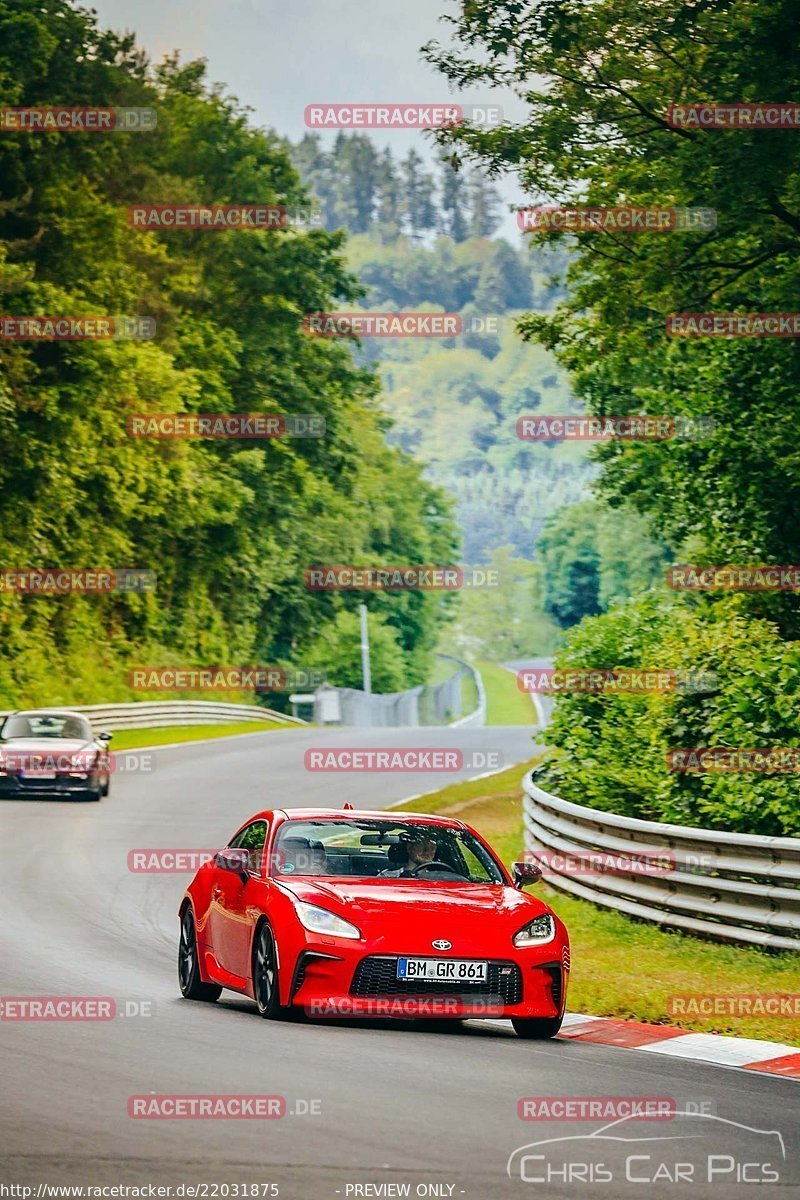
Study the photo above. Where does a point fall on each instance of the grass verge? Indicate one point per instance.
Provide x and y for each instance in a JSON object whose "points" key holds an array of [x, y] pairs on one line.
{"points": [[161, 735], [505, 703], [622, 967]]}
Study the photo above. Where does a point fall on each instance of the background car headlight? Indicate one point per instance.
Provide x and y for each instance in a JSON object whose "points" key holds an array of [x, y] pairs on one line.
{"points": [[319, 920], [536, 932]]}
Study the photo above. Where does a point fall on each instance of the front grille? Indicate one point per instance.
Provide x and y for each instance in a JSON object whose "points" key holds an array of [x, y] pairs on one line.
{"points": [[377, 976]]}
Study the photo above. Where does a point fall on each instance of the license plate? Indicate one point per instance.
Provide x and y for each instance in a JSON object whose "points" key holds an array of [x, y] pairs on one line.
{"points": [[37, 774], [450, 970]]}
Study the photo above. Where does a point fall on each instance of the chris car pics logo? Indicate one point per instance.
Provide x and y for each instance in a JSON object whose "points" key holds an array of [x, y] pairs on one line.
{"points": [[691, 1148]]}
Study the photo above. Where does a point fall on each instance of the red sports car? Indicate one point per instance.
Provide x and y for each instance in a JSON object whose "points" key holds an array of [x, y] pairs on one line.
{"points": [[351, 913]]}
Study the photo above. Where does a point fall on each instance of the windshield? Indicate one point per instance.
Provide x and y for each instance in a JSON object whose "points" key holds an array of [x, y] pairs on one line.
{"points": [[383, 850], [49, 725]]}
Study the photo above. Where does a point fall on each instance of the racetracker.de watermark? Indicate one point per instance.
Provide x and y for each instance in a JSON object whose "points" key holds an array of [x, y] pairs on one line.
{"points": [[73, 1008], [400, 758], [551, 681], [210, 218], [621, 218], [47, 581], [52, 118], [754, 325], [33, 764], [206, 1107], [635, 428], [225, 425], [168, 860], [75, 328], [397, 324], [596, 862], [734, 116], [405, 1006], [402, 115], [411, 578], [753, 577], [596, 1108], [764, 760], [225, 679], [718, 1004]]}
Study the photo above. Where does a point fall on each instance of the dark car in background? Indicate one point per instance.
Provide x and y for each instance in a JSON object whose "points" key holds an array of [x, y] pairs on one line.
{"points": [[53, 752]]}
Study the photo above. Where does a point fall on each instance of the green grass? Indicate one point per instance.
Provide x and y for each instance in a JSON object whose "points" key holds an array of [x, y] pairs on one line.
{"points": [[622, 967], [505, 703], [131, 739]]}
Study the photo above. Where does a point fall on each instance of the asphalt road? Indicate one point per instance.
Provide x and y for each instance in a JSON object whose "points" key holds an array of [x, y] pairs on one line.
{"points": [[543, 704], [397, 1105]]}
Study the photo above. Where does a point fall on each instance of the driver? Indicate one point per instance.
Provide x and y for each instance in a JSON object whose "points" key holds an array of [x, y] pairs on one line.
{"points": [[421, 849]]}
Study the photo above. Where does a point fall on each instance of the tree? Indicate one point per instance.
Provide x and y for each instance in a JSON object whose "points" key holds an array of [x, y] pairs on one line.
{"points": [[314, 166], [453, 215], [389, 196], [598, 81], [571, 565], [227, 527], [484, 202], [418, 195], [356, 175], [504, 281]]}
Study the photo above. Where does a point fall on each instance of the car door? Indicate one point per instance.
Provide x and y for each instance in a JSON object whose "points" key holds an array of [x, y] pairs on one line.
{"points": [[236, 903]]}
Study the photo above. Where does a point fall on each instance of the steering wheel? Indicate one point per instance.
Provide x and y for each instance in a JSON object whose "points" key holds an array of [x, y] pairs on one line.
{"points": [[442, 866]]}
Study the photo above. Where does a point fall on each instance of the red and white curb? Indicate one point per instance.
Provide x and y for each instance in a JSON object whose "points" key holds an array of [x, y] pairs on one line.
{"points": [[750, 1054]]}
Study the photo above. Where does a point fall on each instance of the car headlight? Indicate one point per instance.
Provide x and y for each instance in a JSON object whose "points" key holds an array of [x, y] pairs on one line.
{"points": [[319, 920], [536, 932]]}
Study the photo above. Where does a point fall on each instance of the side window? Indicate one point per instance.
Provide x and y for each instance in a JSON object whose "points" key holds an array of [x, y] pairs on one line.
{"points": [[252, 838]]}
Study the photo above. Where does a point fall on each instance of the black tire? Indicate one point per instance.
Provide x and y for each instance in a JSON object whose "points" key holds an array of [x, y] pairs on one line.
{"points": [[538, 1028], [265, 975], [191, 985], [106, 788]]}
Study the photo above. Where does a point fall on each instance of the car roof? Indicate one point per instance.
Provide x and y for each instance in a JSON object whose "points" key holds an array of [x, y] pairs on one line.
{"points": [[349, 814]]}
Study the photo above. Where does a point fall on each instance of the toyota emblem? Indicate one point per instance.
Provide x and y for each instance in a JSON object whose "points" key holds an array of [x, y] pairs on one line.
{"points": [[441, 944]]}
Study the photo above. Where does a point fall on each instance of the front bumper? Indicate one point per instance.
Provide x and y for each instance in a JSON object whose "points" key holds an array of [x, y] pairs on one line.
{"points": [[350, 981], [15, 786]]}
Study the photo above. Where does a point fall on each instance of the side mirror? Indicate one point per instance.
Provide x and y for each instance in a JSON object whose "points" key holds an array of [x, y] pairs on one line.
{"points": [[105, 736], [525, 873], [237, 860]]}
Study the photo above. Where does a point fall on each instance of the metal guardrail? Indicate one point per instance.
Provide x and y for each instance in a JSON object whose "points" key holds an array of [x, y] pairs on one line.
{"points": [[478, 715], [146, 714], [732, 887], [429, 704]]}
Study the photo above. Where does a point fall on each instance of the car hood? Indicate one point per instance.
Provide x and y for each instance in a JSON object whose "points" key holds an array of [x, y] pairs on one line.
{"points": [[395, 901], [46, 745]]}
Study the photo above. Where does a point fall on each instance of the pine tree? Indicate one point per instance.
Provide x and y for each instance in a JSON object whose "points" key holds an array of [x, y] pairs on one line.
{"points": [[484, 205], [316, 169], [389, 196], [504, 282], [452, 204], [355, 166], [418, 186]]}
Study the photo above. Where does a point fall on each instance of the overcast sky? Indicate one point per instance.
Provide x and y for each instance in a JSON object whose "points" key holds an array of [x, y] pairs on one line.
{"points": [[278, 56]]}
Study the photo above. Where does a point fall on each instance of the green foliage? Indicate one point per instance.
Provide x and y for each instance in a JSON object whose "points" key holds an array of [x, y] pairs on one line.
{"points": [[597, 81], [228, 527], [504, 619], [454, 402], [611, 749], [593, 556], [337, 651]]}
